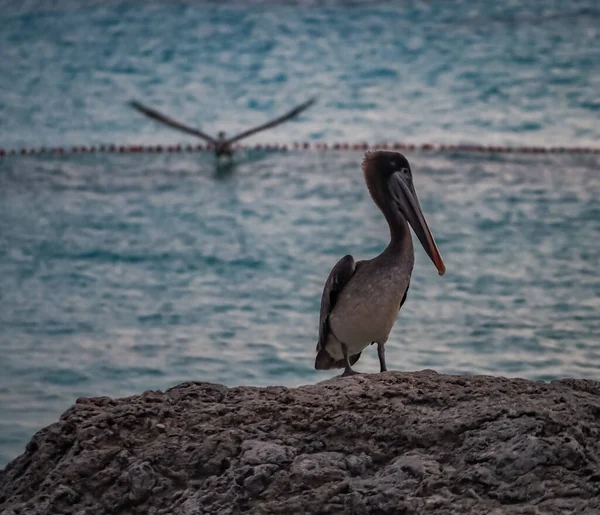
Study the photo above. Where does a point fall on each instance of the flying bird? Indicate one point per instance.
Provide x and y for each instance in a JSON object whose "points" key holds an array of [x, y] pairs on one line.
{"points": [[361, 300], [222, 146]]}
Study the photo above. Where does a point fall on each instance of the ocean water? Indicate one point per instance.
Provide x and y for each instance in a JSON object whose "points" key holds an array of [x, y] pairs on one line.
{"points": [[120, 273]]}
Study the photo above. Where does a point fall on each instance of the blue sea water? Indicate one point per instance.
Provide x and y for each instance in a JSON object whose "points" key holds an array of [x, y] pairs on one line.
{"points": [[120, 273]]}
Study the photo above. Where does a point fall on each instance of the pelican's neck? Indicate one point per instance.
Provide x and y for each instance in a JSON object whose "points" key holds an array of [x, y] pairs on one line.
{"points": [[400, 239]]}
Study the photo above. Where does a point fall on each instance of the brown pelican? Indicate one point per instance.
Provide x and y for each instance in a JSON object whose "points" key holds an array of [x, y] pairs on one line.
{"points": [[361, 300], [222, 145]]}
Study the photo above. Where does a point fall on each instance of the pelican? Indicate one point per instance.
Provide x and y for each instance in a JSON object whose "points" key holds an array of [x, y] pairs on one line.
{"points": [[222, 145], [361, 300]]}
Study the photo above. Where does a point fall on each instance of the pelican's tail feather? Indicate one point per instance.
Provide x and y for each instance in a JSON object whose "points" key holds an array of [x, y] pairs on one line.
{"points": [[324, 361]]}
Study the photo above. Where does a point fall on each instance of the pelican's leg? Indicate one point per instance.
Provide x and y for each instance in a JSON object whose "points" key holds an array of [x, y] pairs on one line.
{"points": [[381, 354], [348, 370]]}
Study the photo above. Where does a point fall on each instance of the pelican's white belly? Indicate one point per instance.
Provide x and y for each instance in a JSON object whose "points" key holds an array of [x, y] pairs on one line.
{"points": [[367, 308]]}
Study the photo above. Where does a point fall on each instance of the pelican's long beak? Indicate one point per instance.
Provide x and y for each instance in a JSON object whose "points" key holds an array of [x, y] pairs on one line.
{"points": [[405, 196]]}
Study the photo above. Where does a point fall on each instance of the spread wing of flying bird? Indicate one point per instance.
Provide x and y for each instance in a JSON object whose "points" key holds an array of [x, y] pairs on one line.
{"points": [[284, 118], [155, 115], [159, 117]]}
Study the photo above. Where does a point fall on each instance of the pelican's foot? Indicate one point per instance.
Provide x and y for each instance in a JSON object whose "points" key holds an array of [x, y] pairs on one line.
{"points": [[349, 372], [381, 354]]}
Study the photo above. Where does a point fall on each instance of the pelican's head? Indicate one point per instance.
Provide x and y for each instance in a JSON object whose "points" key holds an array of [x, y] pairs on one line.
{"points": [[389, 179]]}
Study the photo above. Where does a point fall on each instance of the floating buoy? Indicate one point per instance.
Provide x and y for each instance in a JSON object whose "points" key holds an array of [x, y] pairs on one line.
{"points": [[319, 146]]}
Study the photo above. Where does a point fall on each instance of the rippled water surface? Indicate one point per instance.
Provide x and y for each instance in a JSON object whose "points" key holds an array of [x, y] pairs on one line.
{"points": [[120, 273]]}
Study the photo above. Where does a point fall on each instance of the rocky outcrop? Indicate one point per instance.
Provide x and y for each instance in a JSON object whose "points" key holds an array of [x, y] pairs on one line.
{"points": [[411, 443]]}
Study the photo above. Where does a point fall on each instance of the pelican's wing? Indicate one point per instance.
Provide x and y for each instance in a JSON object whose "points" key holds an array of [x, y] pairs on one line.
{"points": [[294, 112], [340, 275], [155, 115], [404, 296]]}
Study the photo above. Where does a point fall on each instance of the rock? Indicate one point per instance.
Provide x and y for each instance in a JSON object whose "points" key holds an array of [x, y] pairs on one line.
{"points": [[310, 470], [260, 478], [141, 478], [412, 443], [257, 452]]}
